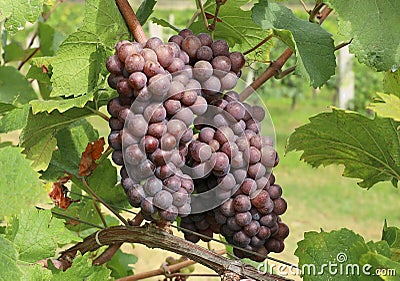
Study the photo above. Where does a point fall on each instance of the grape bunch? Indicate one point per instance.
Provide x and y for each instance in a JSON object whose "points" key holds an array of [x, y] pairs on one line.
{"points": [[252, 204], [188, 147]]}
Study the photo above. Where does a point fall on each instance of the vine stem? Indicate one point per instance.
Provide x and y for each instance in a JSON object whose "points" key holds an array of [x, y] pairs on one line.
{"points": [[137, 220], [131, 20], [103, 220], [162, 270], [155, 237], [266, 39], [271, 71], [276, 66], [122, 219], [344, 44], [98, 113], [203, 14], [218, 3], [107, 254], [22, 63]]}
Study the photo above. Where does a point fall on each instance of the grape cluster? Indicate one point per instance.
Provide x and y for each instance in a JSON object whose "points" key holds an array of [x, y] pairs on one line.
{"points": [[241, 177], [188, 147]]}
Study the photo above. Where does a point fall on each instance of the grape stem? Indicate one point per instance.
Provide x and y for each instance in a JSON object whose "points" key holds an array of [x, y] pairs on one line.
{"points": [[90, 190], [31, 55], [131, 21], [203, 14], [305, 6], [197, 13], [99, 213], [107, 254], [276, 66], [271, 71], [137, 220], [344, 44], [76, 219], [266, 39], [218, 3], [98, 113]]}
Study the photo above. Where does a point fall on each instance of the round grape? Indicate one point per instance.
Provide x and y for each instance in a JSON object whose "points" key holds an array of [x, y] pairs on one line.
{"points": [[176, 39], [280, 206], [220, 48], [153, 43], [190, 45], [242, 203], [202, 70], [163, 199], [114, 65]]}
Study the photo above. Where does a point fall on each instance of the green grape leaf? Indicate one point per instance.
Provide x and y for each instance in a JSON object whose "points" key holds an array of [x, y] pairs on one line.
{"points": [[5, 107], [78, 64], [391, 82], [15, 119], [71, 142], [38, 73], [41, 73], [380, 263], [50, 39], [103, 181], [14, 87], [236, 27], [380, 247], [41, 152], [18, 12], [104, 19], [388, 106], [82, 269], [36, 235], [359, 270], [61, 105], [317, 250], [119, 264], [43, 62], [8, 261], [14, 52], [391, 235], [313, 46], [145, 10], [20, 187], [164, 23], [35, 272], [49, 123], [372, 25], [368, 148]]}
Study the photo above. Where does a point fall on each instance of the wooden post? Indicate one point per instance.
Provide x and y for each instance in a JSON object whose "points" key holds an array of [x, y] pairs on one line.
{"points": [[346, 77]]}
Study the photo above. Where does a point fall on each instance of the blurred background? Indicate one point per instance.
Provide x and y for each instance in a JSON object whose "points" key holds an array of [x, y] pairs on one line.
{"points": [[317, 198]]}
